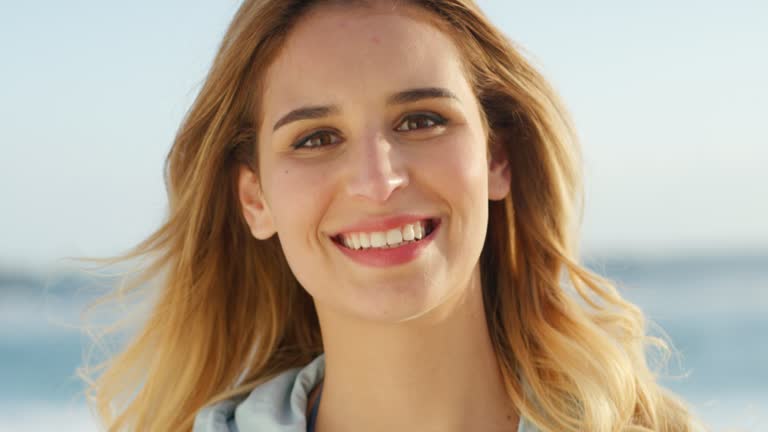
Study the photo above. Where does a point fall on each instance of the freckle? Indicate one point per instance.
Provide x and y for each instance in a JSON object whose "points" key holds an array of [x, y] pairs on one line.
{"points": [[375, 40], [285, 172]]}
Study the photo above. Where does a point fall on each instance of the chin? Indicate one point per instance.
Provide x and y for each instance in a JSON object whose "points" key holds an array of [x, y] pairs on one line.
{"points": [[395, 303]]}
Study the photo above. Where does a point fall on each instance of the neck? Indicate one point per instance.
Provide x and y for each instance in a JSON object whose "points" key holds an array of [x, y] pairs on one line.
{"points": [[435, 373]]}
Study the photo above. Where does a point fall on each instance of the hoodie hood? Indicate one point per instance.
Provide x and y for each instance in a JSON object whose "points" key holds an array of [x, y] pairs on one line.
{"points": [[277, 405]]}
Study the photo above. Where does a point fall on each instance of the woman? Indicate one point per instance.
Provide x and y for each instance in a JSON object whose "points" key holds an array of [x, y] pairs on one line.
{"points": [[372, 211]]}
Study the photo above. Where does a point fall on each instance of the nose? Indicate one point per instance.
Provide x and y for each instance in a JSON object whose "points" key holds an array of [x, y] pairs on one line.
{"points": [[376, 169]]}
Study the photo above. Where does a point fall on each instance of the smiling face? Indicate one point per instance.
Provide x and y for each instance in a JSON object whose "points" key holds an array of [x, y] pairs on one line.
{"points": [[367, 123]]}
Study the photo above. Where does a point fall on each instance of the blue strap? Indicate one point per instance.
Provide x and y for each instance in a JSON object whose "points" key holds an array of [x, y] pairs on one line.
{"points": [[313, 412]]}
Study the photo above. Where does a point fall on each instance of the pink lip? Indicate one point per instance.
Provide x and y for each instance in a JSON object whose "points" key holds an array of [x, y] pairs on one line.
{"points": [[392, 256], [382, 224]]}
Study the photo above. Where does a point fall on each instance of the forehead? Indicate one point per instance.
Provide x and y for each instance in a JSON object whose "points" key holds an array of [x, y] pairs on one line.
{"points": [[360, 54]]}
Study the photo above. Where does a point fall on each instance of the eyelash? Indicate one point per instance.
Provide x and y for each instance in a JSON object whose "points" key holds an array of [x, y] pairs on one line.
{"points": [[436, 120]]}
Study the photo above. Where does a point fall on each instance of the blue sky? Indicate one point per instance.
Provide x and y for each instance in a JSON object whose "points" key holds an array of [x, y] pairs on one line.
{"points": [[669, 101]]}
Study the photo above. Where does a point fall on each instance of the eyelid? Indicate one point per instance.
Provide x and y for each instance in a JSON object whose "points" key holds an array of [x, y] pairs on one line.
{"points": [[437, 118], [298, 144]]}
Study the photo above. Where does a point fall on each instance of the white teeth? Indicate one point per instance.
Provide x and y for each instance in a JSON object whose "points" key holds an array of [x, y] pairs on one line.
{"points": [[419, 231], [394, 236], [378, 239], [391, 238], [365, 240], [408, 233]]}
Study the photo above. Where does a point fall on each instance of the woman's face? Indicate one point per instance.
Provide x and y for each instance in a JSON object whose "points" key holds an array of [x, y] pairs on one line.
{"points": [[369, 125]]}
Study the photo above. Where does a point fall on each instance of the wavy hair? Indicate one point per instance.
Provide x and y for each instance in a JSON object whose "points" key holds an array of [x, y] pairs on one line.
{"points": [[228, 313]]}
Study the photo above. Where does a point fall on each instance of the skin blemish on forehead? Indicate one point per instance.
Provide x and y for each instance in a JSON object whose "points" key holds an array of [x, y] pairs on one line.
{"points": [[375, 40]]}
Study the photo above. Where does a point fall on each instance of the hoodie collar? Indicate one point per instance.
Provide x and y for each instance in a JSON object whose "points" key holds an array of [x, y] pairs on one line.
{"points": [[278, 404]]}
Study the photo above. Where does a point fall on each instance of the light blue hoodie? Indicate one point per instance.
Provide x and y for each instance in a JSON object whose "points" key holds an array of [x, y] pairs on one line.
{"points": [[277, 405]]}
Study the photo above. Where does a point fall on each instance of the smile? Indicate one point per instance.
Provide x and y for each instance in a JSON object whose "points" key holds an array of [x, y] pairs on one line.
{"points": [[396, 237], [388, 248]]}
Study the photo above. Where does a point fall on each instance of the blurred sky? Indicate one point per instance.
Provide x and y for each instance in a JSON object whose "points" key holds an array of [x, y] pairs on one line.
{"points": [[669, 99]]}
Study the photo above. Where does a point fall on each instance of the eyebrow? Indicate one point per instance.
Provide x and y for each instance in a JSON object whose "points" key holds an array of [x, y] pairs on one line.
{"points": [[403, 97]]}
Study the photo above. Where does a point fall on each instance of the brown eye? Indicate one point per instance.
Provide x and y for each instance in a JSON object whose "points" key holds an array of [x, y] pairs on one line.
{"points": [[419, 121], [317, 140]]}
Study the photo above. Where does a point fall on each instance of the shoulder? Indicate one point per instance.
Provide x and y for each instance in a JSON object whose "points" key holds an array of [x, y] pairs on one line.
{"points": [[278, 404]]}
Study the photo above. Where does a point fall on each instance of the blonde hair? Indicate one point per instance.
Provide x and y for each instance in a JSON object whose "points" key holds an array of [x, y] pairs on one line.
{"points": [[230, 314]]}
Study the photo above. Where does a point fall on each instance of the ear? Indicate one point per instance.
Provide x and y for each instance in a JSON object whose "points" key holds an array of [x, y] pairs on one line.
{"points": [[499, 174], [255, 208]]}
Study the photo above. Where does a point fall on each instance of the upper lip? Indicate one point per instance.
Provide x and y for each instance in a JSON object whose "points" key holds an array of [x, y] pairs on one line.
{"points": [[375, 224]]}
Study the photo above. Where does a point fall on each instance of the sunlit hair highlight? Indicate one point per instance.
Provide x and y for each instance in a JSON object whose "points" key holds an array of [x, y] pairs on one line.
{"points": [[227, 312]]}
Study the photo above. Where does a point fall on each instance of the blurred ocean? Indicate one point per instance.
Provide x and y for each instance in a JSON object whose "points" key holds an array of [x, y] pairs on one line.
{"points": [[714, 308]]}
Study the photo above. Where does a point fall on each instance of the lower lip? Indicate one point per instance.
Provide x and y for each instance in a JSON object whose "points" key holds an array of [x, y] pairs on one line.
{"points": [[392, 256]]}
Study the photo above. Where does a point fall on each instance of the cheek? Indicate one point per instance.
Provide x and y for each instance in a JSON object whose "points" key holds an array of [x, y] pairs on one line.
{"points": [[461, 167], [461, 174], [300, 196], [297, 186]]}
